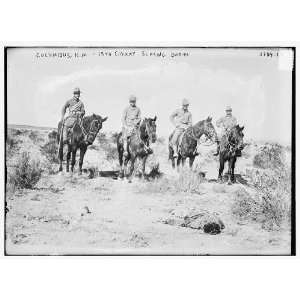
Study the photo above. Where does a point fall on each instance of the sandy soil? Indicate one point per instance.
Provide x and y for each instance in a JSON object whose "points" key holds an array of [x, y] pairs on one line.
{"points": [[72, 214]]}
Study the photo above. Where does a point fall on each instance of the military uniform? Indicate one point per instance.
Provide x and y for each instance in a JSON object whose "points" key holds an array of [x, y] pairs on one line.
{"points": [[76, 110], [130, 120], [182, 120], [226, 124]]}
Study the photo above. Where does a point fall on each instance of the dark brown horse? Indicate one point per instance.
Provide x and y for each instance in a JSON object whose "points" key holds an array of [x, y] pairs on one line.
{"points": [[82, 135], [231, 147], [188, 145], [143, 135]]}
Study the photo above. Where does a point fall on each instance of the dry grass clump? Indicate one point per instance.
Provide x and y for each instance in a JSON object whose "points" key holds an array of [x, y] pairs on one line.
{"points": [[110, 150], [50, 151], [245, 206], [190, 181], [269, 156], [270, 205], [26, 173], [108, 145], [35, 137], [11, 145], [161, 185]]}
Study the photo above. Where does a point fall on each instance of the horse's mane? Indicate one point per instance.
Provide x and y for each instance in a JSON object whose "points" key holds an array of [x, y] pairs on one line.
{"points": [[86, 120]]}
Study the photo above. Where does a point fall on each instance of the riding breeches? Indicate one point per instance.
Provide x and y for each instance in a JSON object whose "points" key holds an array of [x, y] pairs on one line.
{"points": [[68, 125], [176, 135]]}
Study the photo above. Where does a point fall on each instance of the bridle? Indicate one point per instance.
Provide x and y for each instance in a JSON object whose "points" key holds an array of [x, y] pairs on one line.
{"points": [[194, 137], [148, 131], [90, 131]]}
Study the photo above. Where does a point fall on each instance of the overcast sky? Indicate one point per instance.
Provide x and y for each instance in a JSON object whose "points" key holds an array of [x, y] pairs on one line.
{"points": [[258, 87]]}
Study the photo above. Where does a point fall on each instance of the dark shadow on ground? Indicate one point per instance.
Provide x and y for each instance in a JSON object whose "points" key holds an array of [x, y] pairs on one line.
{"points": [[238, 179], [154, 174]]}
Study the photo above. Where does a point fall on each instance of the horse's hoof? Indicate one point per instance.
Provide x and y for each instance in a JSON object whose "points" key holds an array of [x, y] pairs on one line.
{"points": [[129, 181], [229, 182]]}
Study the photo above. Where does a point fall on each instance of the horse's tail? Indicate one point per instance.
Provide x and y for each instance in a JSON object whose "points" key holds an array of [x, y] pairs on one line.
{"points": [[60, 139], [120, 148]]}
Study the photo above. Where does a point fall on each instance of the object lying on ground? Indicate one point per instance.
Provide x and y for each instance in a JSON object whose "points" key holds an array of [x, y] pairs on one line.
{"points": [[208, 222]]}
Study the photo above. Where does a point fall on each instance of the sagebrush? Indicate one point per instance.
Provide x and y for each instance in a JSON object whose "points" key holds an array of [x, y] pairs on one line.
{"points": [[270, 204], [26, 173]]}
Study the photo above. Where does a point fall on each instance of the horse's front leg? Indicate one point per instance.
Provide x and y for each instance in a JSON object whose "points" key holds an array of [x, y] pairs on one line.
{"points": [[74, 150], [178, 162], [82, 153], [231, 164], [132, 161], [221, 168], [68, 158], [171, 156], [183, 161], [143, 166], [60, 157], [191, 161]]}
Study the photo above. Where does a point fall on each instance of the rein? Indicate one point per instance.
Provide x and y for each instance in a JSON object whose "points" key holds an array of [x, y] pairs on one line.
{"points": [[85, 133], [193, 136], [147, 131]]}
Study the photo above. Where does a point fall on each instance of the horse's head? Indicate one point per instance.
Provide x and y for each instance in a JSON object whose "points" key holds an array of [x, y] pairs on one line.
{"points": [[94, 127], [236, 139], [209, 129], [148, 129]]}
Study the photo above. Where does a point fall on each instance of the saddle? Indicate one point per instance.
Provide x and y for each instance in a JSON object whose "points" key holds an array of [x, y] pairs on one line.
{"points": [[179, 139]]}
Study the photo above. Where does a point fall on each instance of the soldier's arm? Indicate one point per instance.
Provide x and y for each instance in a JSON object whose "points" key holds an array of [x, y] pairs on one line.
{"points": [[82, 110], [63, 111], [138, 118], [190, 122], [124, 117]]}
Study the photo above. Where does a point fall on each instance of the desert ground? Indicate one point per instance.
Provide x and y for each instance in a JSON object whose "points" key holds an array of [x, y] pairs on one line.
{"points": [[96, 213]]}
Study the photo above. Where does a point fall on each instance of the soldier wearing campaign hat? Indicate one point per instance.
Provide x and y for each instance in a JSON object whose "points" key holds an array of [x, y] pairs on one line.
{"points": [[75, 110], [225, 124], [131, 120], [182, 119]]}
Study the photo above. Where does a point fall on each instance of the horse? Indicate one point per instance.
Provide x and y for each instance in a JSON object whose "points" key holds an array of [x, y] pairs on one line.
{"points": [[83, 134], [143, 135], [188, 145], [231, 147]]}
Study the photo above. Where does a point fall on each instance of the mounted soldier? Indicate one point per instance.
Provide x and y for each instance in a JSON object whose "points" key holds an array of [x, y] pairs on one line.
{"points": [[182, 119], [226, 124], [76, 130], [76, 111], [131, 120]]}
